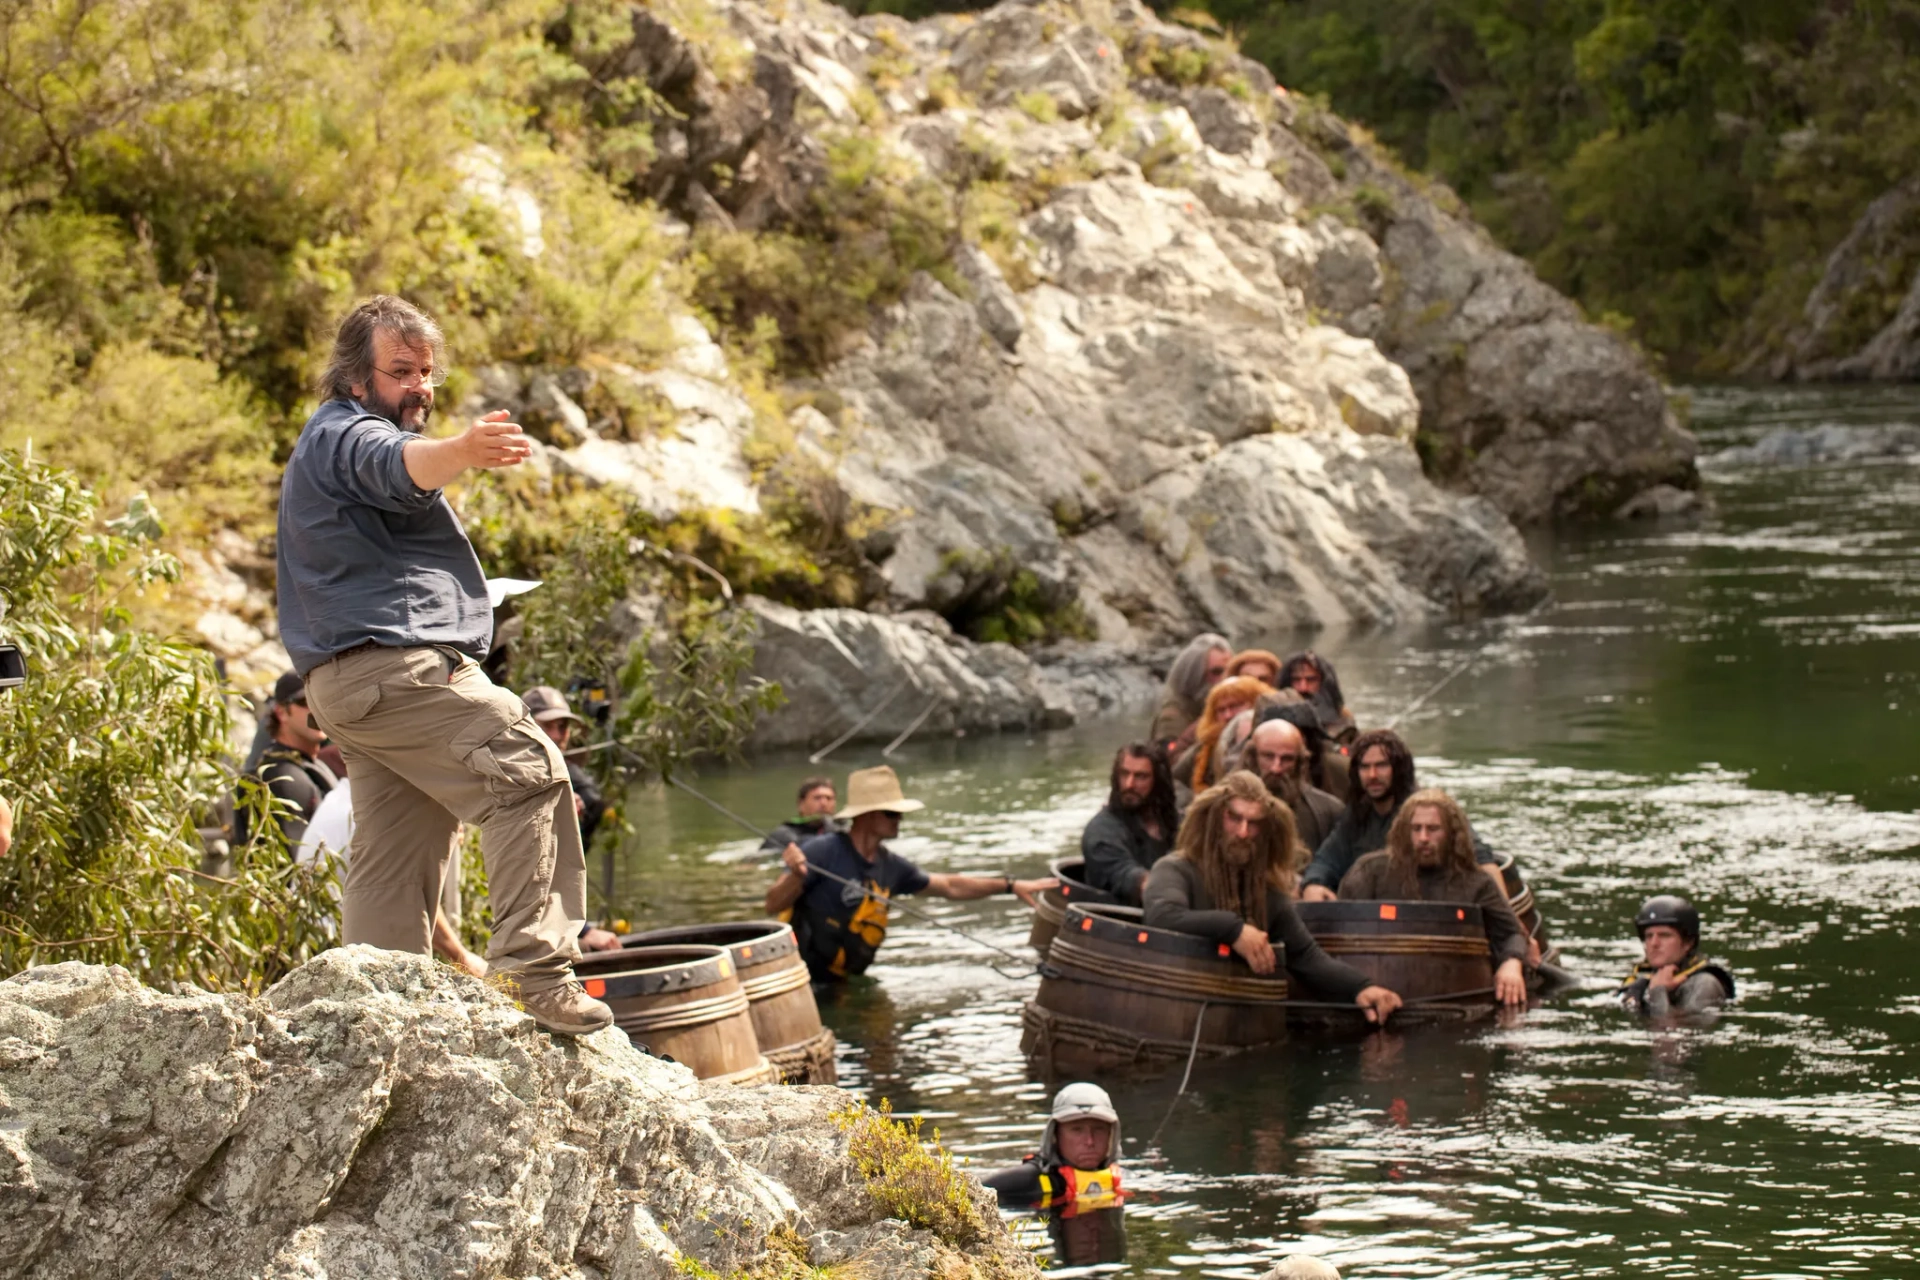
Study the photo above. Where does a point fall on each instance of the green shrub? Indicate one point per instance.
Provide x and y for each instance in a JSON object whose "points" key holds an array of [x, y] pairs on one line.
{"points": [[909, 1179], [109, 751]]}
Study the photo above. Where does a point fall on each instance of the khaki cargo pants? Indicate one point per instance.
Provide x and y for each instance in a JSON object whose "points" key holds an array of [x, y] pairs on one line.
{"points": [[430, 743]]}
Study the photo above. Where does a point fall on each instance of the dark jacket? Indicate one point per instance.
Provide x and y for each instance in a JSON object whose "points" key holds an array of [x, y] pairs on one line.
{"points": [[1345, 845], [298, 779], [1375, 878], [1315, 815], [593, 805], [1352, 840], [1118, 853], [799, 831], [1177, 899]]}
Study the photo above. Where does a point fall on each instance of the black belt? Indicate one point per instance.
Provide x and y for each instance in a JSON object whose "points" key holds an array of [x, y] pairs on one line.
{"points": [[362, 647]]}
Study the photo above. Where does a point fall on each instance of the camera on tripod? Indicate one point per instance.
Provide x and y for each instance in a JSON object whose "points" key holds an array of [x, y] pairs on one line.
{"points": [[13, 667]]}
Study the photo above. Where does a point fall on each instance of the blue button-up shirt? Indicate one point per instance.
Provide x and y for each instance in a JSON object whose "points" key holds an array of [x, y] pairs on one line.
{"points": [[367, 554]]}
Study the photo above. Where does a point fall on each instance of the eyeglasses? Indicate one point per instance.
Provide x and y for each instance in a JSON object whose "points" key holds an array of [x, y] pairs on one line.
{"points": [[415, 377]]}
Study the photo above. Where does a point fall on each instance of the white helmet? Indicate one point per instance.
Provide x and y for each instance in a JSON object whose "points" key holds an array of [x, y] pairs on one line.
{"points": [[1080, 1101]]}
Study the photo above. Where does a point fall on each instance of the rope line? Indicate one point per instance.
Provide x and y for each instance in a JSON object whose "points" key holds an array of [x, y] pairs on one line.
{"points": [[890, 903]]}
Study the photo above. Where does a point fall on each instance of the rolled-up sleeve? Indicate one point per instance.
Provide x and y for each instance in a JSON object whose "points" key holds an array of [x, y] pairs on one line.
{"points": [[371, 467]]}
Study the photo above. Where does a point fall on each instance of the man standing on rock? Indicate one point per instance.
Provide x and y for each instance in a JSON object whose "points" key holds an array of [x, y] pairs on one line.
{"points": [[384, 611], [839, 885]]}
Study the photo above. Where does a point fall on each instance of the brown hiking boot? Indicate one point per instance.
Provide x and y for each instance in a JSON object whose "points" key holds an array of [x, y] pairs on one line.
{"points": [[566, 1010]]}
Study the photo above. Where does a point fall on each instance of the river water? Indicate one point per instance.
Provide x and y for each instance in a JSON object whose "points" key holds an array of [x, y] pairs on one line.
{"points": [[1726, 708]]}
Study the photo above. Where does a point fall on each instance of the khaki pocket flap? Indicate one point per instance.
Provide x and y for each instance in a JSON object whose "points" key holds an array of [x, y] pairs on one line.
{"points": [[491, 715]]}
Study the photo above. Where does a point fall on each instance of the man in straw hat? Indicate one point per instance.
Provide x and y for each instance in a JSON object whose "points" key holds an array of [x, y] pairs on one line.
{"points": [[841, 922]]}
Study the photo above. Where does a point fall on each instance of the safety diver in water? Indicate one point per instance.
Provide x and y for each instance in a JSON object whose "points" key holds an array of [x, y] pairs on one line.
{"points": [[1672, 977], [1078, 1160]]}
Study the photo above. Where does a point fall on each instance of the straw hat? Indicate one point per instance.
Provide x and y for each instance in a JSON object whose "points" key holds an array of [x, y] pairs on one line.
{"points": [[876, 791]]}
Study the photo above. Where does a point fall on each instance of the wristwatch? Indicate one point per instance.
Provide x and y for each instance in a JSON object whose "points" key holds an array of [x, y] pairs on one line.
{"points": [[1009, 880]]}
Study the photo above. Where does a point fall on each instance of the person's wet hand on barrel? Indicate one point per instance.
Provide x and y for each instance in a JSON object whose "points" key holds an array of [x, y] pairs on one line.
{"points": [[1230, 880]]}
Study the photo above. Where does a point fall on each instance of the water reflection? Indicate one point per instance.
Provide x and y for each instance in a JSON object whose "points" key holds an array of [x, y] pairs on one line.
{"points": [[1727, 710]]}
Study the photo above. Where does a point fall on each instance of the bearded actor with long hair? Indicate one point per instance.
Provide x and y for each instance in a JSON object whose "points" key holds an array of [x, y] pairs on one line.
{"points": [[1429, 857], [1230, 880]]}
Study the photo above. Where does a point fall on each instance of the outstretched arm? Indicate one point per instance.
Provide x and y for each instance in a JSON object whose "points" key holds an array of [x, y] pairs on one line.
{"points": [[488, 444], [961, 888]]}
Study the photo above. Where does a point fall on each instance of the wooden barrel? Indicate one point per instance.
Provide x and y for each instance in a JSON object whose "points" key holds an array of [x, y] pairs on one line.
{"points": [[1050, 908], [1521, 898], [786, 1020], [1114, 991], [681, 1002], [1419, 949]]}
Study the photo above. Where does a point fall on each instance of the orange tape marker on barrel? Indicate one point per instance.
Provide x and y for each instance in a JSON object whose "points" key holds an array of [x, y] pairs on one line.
{"points": [[1389, 912]]}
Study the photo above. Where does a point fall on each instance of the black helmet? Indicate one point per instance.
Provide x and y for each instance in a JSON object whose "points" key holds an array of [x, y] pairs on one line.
{"points": [[1673, 911]]}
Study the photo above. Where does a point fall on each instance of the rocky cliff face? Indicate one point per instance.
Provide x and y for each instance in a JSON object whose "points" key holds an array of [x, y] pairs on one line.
{"points": [[1862, 320], [1173, 367], [376, 1115], [1179, 382]]}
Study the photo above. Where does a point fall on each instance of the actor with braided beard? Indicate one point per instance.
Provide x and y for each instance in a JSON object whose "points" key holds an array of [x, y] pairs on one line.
{"points": [[1230, 880], [1430, 858]]}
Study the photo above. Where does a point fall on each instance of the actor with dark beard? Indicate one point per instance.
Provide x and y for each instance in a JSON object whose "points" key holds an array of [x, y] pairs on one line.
{"points": [[1429, 858], [1230, 880], [384, 611], [1277, 751], [1313, 678], [1136, 828]]}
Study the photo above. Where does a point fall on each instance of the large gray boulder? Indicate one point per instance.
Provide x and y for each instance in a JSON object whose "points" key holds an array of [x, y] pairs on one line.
{"points": [[378, 1115], [1862, 319], [878, 676]]}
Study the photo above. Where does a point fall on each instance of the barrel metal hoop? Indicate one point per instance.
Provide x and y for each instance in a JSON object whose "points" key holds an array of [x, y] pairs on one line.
{"points": [[1224, 988], [1402, 944], [778, 983], [713, 1009]]}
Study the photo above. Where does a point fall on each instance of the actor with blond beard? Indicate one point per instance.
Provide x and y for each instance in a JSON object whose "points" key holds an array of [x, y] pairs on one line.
{"points": [[1230, 880], [1429, 857]]}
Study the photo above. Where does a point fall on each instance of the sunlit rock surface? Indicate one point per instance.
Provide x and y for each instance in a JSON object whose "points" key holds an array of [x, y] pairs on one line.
{"points": [[377, 1115]]}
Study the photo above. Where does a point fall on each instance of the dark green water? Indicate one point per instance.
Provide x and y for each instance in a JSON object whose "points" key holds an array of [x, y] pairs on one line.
{"points": [[1729, 709]]}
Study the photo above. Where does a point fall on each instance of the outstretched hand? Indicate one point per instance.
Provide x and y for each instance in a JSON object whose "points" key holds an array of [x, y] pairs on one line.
{"points": [[493, 442], [1028, 891]]}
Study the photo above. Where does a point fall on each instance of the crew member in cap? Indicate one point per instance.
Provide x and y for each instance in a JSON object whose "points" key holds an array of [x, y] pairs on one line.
{"points": [[549, 709], [289, 766], [1078, 1158], [840, 922], [1672, 977]]}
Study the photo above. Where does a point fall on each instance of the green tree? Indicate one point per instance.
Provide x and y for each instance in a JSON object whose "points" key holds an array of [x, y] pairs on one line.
{"points": [[108, 753]]}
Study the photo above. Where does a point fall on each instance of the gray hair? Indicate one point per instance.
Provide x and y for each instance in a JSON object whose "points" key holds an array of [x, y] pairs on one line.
{"points": [[352, 360], [1187, 678]]}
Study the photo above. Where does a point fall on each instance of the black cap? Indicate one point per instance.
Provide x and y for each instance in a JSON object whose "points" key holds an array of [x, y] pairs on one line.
{"points": [[1674, 912], [289, 688]]}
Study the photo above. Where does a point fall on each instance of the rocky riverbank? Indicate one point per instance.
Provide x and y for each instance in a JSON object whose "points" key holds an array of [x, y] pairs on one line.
{"points": [[1184, 352], [376, 1115]]}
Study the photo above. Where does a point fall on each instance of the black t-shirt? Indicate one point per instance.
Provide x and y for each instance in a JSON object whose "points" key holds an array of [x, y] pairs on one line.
{"points": [[839, 927], [293, 777]]}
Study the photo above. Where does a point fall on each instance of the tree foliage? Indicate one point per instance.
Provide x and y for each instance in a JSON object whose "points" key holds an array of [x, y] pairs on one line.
{"points": [[1685, 164], [108, 753]]}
